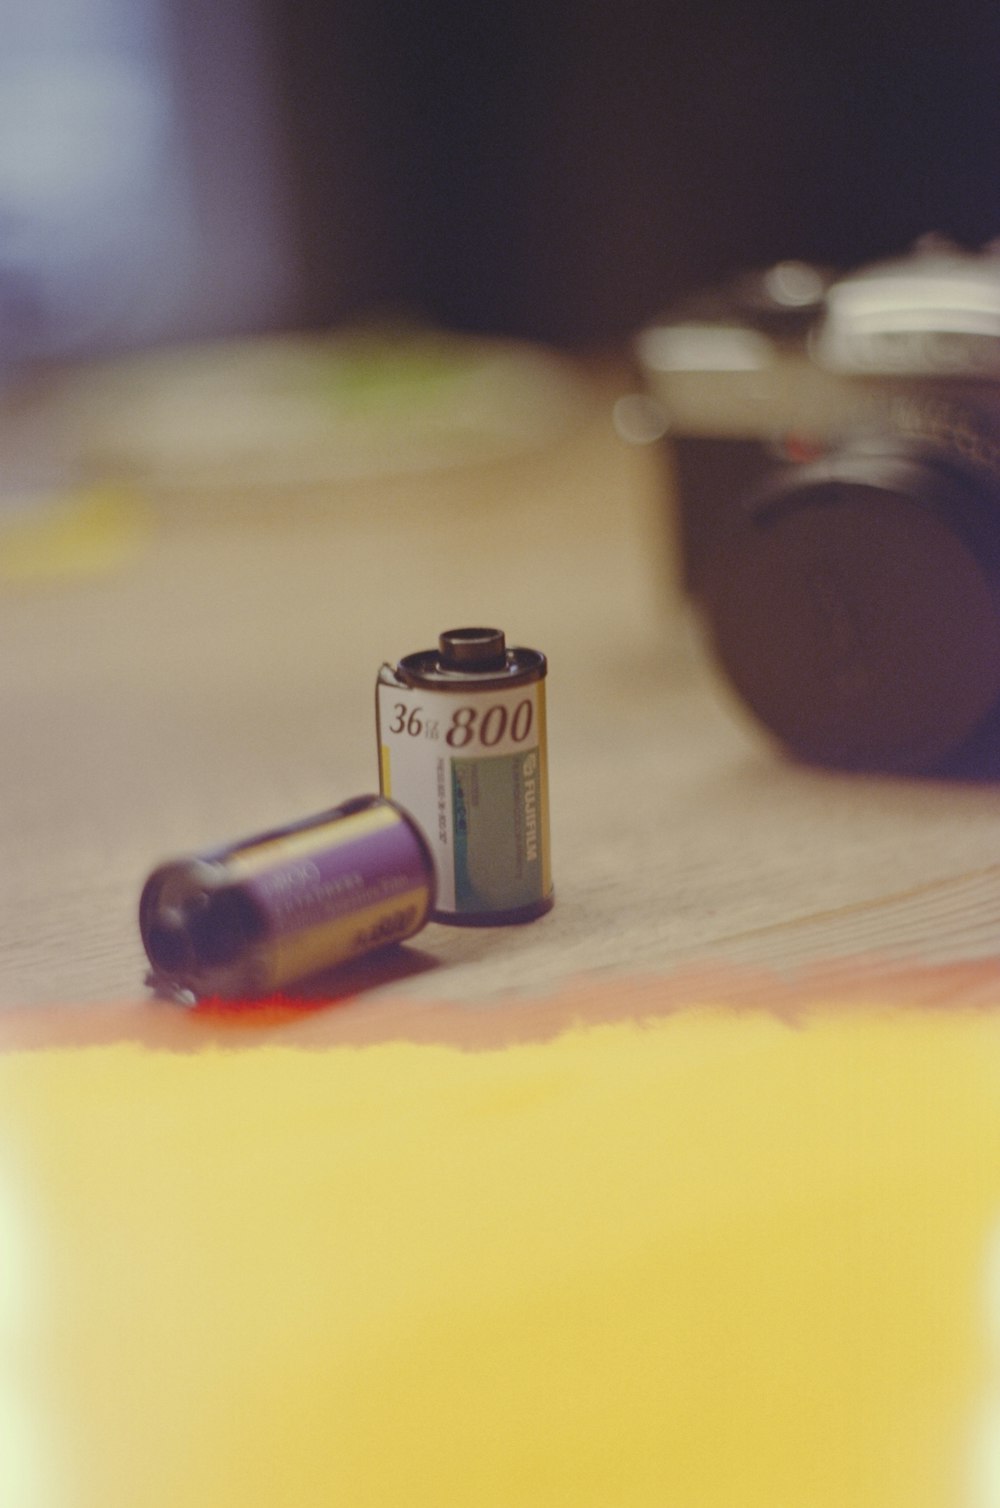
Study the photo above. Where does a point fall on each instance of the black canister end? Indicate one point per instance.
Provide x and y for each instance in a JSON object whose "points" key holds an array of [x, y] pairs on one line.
{"points": [[473, 649]]}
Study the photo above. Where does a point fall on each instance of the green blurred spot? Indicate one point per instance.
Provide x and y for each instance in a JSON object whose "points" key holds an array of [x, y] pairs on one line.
{"points": [[380, 371]]}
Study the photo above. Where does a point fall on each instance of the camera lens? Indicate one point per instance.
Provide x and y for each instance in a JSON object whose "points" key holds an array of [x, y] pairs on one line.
{"points": [[860, 616]]}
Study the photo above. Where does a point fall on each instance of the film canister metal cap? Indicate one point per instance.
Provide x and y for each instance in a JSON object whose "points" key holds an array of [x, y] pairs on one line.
{"points": [[473, 649], [478, 658]]}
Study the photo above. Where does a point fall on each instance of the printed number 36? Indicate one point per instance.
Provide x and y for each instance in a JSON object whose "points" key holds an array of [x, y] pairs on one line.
{"points": [[412, 724]]}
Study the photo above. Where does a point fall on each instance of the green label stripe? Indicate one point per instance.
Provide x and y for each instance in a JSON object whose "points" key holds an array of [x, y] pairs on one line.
{"points": [[498, 831]]}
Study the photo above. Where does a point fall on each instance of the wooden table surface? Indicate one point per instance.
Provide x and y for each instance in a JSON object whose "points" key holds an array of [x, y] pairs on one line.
{"points": [[211, 674]]}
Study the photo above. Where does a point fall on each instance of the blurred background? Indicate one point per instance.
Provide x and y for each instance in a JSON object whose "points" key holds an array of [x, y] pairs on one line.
{"points": [[553, 169]]}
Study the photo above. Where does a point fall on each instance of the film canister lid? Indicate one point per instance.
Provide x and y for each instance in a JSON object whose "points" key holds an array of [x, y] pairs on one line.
{"points": [[479, 657], [473, 649]]}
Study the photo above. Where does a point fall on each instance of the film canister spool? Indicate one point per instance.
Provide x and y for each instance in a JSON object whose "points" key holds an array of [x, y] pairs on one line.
{"points": [[461, 737], [253, 918]]}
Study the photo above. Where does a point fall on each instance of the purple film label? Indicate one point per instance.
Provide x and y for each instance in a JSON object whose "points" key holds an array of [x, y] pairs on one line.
{"points": [[347, 877]]}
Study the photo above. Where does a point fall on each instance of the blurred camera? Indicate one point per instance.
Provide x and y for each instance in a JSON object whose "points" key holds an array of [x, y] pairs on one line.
{"points": [[835, 444]]}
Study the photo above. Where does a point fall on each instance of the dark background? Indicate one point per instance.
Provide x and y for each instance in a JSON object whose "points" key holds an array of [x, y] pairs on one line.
{"points": [[559, 170]]}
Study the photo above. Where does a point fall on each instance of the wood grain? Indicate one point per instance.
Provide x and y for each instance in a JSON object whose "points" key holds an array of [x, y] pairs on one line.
{"points": [[220, 679]]}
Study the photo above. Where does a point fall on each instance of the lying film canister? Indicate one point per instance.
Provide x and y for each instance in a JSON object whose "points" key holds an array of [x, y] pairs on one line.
{"points": [[461, 736], [253, 918]]}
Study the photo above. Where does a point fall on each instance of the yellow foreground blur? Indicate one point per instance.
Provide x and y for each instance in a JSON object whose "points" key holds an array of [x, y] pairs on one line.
{"points": [[711, 1261]]}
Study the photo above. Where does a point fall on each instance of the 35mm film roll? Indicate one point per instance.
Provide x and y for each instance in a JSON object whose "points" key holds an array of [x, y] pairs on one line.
{"points": [[462, 746], [265, 913]]}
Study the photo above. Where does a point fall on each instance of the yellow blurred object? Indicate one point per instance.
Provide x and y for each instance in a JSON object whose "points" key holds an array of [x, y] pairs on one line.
{"points": [[83, 531], [709, 1261]]}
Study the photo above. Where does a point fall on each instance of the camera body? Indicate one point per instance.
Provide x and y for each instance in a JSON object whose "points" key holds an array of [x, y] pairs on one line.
{"points": [[835, 446]]}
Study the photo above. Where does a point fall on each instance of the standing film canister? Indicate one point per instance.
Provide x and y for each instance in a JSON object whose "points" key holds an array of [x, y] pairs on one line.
{"points": [[277, 908], [461, 735]]}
